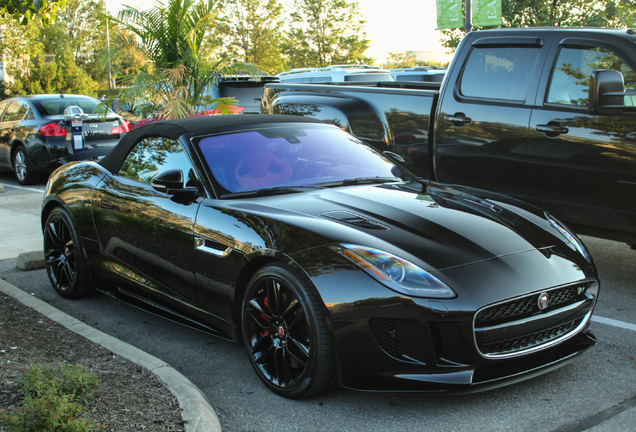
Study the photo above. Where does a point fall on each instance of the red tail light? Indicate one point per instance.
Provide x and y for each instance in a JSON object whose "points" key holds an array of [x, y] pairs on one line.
{"points": [[52, 130], [124, 127]]}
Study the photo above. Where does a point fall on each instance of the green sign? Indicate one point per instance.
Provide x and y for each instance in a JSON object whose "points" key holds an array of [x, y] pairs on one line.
{"points": [[450, 14], [486, 13]]}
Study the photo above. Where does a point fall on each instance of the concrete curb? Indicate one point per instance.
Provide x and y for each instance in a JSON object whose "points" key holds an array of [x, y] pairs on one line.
{"points": [[28, 261], [197, 412]]}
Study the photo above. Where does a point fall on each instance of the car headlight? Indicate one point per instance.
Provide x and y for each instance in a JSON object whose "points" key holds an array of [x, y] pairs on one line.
{"points": [[572, 240], [394, 272]]}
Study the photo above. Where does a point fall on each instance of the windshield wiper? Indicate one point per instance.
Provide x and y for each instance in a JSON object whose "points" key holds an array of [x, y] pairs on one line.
{"points": [[270, 191], [359, 181]]}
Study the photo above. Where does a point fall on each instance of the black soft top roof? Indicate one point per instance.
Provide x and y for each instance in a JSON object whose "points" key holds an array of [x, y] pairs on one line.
{"points": [[173, 129]]}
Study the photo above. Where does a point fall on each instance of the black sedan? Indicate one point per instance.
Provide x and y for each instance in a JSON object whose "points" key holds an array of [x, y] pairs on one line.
{"points": [[33, 133], [328, 261]]}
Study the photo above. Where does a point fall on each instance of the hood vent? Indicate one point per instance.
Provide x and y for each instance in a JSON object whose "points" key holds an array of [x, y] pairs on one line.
{"points": [[354, 219]]}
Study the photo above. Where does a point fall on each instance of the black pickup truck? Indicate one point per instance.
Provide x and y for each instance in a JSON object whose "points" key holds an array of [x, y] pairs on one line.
{"points": [[546, 115]]}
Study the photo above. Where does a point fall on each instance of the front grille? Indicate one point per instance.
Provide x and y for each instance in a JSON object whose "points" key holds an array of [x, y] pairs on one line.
{"points": [[567, 308], [528, 341], [526, 306]]}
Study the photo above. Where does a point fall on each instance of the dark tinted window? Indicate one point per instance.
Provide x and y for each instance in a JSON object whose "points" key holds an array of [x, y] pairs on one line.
{"points": [[152, 155], [570, 80], [499, 72]]}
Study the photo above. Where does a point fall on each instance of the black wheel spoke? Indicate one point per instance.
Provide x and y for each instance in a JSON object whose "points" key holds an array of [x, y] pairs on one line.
{"points": [[274, 297], [52, 234], [291, 307], [299, 351], [298, 320], [263, 343], [68, 272], [258, 315], [265, 357]]}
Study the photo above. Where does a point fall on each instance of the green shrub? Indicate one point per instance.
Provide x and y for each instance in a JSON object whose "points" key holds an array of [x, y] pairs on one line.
{"points": [[53, 403]]}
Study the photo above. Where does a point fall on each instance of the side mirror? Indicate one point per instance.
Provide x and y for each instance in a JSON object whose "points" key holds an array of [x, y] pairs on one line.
{"points": [[171, 182], [394, 157], [607, 93]]}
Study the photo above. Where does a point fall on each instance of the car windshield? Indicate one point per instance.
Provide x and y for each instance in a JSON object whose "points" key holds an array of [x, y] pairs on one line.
{"points": [[57, 105], [292, 157]]}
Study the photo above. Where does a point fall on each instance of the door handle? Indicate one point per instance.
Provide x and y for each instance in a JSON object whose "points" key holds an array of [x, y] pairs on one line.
{"points": [[552, 129], [458, 119]]}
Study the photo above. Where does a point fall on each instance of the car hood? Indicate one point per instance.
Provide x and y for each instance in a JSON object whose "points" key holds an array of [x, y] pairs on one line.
{"points": [[442, 227]]}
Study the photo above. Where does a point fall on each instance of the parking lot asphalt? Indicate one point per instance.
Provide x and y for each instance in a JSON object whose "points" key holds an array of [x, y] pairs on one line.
{"points": [[21, 238]]}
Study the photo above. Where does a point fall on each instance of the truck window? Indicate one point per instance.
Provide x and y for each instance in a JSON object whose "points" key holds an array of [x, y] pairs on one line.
{"points": [[499, 72], [570, 80]]}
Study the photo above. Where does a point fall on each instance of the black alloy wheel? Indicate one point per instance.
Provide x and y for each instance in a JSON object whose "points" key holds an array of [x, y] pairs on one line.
{"points": [[286, 334], [64, 257]]}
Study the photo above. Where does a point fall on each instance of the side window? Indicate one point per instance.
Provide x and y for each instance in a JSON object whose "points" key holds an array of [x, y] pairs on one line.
{"points": [[15, 111], [499, 72], [3, 105], [152, 155], [570, 80]]}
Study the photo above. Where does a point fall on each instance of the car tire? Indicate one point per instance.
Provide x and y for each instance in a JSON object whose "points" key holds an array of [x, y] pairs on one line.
{"points": [[64, 256], [286, 335], [23, 173]]}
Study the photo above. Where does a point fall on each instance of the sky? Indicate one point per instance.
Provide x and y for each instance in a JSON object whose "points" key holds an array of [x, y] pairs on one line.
{"points": [[394, 26]]}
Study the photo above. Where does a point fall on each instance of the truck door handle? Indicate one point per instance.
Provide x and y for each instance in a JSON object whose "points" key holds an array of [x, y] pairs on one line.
{"points": [[552, 129], [458, 119]]}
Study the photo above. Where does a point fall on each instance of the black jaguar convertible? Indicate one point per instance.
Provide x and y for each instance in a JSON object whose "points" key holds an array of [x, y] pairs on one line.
{"points": [[327, 260]]}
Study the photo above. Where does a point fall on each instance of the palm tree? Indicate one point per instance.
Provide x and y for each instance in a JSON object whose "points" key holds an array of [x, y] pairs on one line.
{"points": [[176, 76]]}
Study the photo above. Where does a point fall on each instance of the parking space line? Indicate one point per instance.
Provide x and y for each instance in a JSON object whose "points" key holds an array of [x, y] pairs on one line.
{"points": [[23, 188], [614, 323]]}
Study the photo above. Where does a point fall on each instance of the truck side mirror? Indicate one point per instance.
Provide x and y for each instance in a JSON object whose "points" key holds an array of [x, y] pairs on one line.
{"points": [[607, 93]]}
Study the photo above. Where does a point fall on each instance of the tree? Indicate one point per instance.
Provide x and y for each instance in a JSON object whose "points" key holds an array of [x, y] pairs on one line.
{"points": [[398, 60], [19, 41], [25, 11], [75, 43], [252, 32], [326, 32], [626, 12], [81, 21], [174, 80], [59, 76]]}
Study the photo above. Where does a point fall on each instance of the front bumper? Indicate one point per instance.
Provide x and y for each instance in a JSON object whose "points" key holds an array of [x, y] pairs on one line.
{"points": [[492, 334]]}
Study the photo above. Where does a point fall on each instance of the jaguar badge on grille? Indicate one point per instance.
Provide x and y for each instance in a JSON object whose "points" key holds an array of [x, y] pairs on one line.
{"points": [[543, 301]]}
